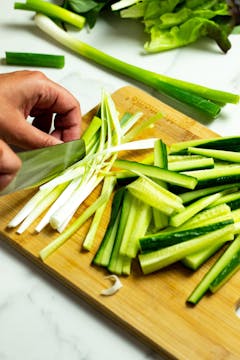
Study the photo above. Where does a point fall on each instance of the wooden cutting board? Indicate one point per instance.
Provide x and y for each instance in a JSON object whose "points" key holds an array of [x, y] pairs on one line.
{"points": [[152, 307]]}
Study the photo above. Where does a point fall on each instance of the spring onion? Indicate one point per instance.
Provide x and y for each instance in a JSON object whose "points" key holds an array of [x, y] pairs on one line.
{"points": [[52, 10], [34, 59], [201, 98]]}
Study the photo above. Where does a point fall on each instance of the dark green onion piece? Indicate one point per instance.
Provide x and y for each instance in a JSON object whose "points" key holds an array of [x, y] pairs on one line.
{"points": [[34, 59]]}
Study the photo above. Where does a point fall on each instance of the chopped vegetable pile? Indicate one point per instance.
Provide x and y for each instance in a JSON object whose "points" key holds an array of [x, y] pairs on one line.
{"points": [[179, 204]]}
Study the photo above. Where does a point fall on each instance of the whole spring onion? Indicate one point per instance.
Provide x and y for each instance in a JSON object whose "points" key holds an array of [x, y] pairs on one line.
{"points": [[52, 10], [34, 59], [206, 100]]}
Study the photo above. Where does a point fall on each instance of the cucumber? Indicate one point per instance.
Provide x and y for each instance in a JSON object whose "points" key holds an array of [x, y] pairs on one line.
{"points": [[160, 219], [117, 261], [213, 272], [158, 173], [189, 196], [103, 254], [160, 154], [232, 200], [216, 176], [139, 217], [230, 269], [155, 195], [194, 261], [208, 216], [183, 165], [156, 260], [192, 209], [152, 242], [230, 156], [173, 158], [230, 143]]}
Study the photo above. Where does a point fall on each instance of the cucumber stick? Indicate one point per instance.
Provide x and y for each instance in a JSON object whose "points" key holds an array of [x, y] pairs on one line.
{"points": [[120, 264], [214, 271], [155, 195], [225, 143], [208, 216], [194, 261], [216, 176], [230, 269], [190, 196], [138, 221], [194, 164], [160, 219], [193, 209], [158, 173], [232, 200], [159, 259], [152, 242], [230, 156], [103, 254]]}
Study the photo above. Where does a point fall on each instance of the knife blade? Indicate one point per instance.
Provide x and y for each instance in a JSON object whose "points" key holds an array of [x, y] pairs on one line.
{"points": [[40, 165]]}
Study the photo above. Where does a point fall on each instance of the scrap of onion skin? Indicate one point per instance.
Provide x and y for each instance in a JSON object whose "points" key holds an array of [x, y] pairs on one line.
{"points": [[114, 288]]}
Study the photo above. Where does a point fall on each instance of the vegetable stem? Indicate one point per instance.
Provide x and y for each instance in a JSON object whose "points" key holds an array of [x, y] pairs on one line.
{"points": [[34, 59], [188, 93], [52, 10]]}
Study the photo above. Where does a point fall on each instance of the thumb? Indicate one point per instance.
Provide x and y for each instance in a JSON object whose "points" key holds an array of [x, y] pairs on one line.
{"points": [[27, 136], [9, 165]]}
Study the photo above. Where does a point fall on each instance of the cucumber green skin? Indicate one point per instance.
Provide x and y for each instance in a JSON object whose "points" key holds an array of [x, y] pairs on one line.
{"points": [[217, 268], [159, 241], [234, 205], [231, 268], [155, 172], [116, 205], [190, 196], [218, 181], [231, 143]]}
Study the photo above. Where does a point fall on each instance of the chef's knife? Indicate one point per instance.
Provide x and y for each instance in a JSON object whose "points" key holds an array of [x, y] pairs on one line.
{"points": [[41, 165]]}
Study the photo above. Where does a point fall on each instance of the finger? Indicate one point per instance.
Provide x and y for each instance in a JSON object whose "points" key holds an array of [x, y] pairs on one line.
{"points": [[9, 165], [30, 137], [58, 100], [66, 128]]}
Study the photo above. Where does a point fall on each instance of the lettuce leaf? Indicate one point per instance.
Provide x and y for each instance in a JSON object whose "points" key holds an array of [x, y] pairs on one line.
{"points": [[176, 23], [188, 32]]}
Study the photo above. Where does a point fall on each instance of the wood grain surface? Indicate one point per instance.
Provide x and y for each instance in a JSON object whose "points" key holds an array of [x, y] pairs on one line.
{"points": [[152, 306]]}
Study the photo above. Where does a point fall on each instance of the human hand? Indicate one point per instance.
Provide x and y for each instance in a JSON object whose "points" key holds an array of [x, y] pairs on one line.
{"points": [[31, 93]]}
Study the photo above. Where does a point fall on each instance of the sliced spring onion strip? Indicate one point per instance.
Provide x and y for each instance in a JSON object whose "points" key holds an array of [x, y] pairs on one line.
{"points": [[28, 208], [40, 208], [62, 238], [108, 187], [61, 200]]}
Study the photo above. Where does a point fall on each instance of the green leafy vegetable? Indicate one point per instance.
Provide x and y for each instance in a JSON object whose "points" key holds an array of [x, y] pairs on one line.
{"points": [[172, 24]]}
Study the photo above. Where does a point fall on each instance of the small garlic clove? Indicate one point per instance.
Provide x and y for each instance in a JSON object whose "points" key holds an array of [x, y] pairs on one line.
{"points": [[114, 288]]}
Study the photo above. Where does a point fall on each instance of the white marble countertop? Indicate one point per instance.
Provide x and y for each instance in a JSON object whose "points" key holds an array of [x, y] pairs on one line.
{"points": [[40, 319]]}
